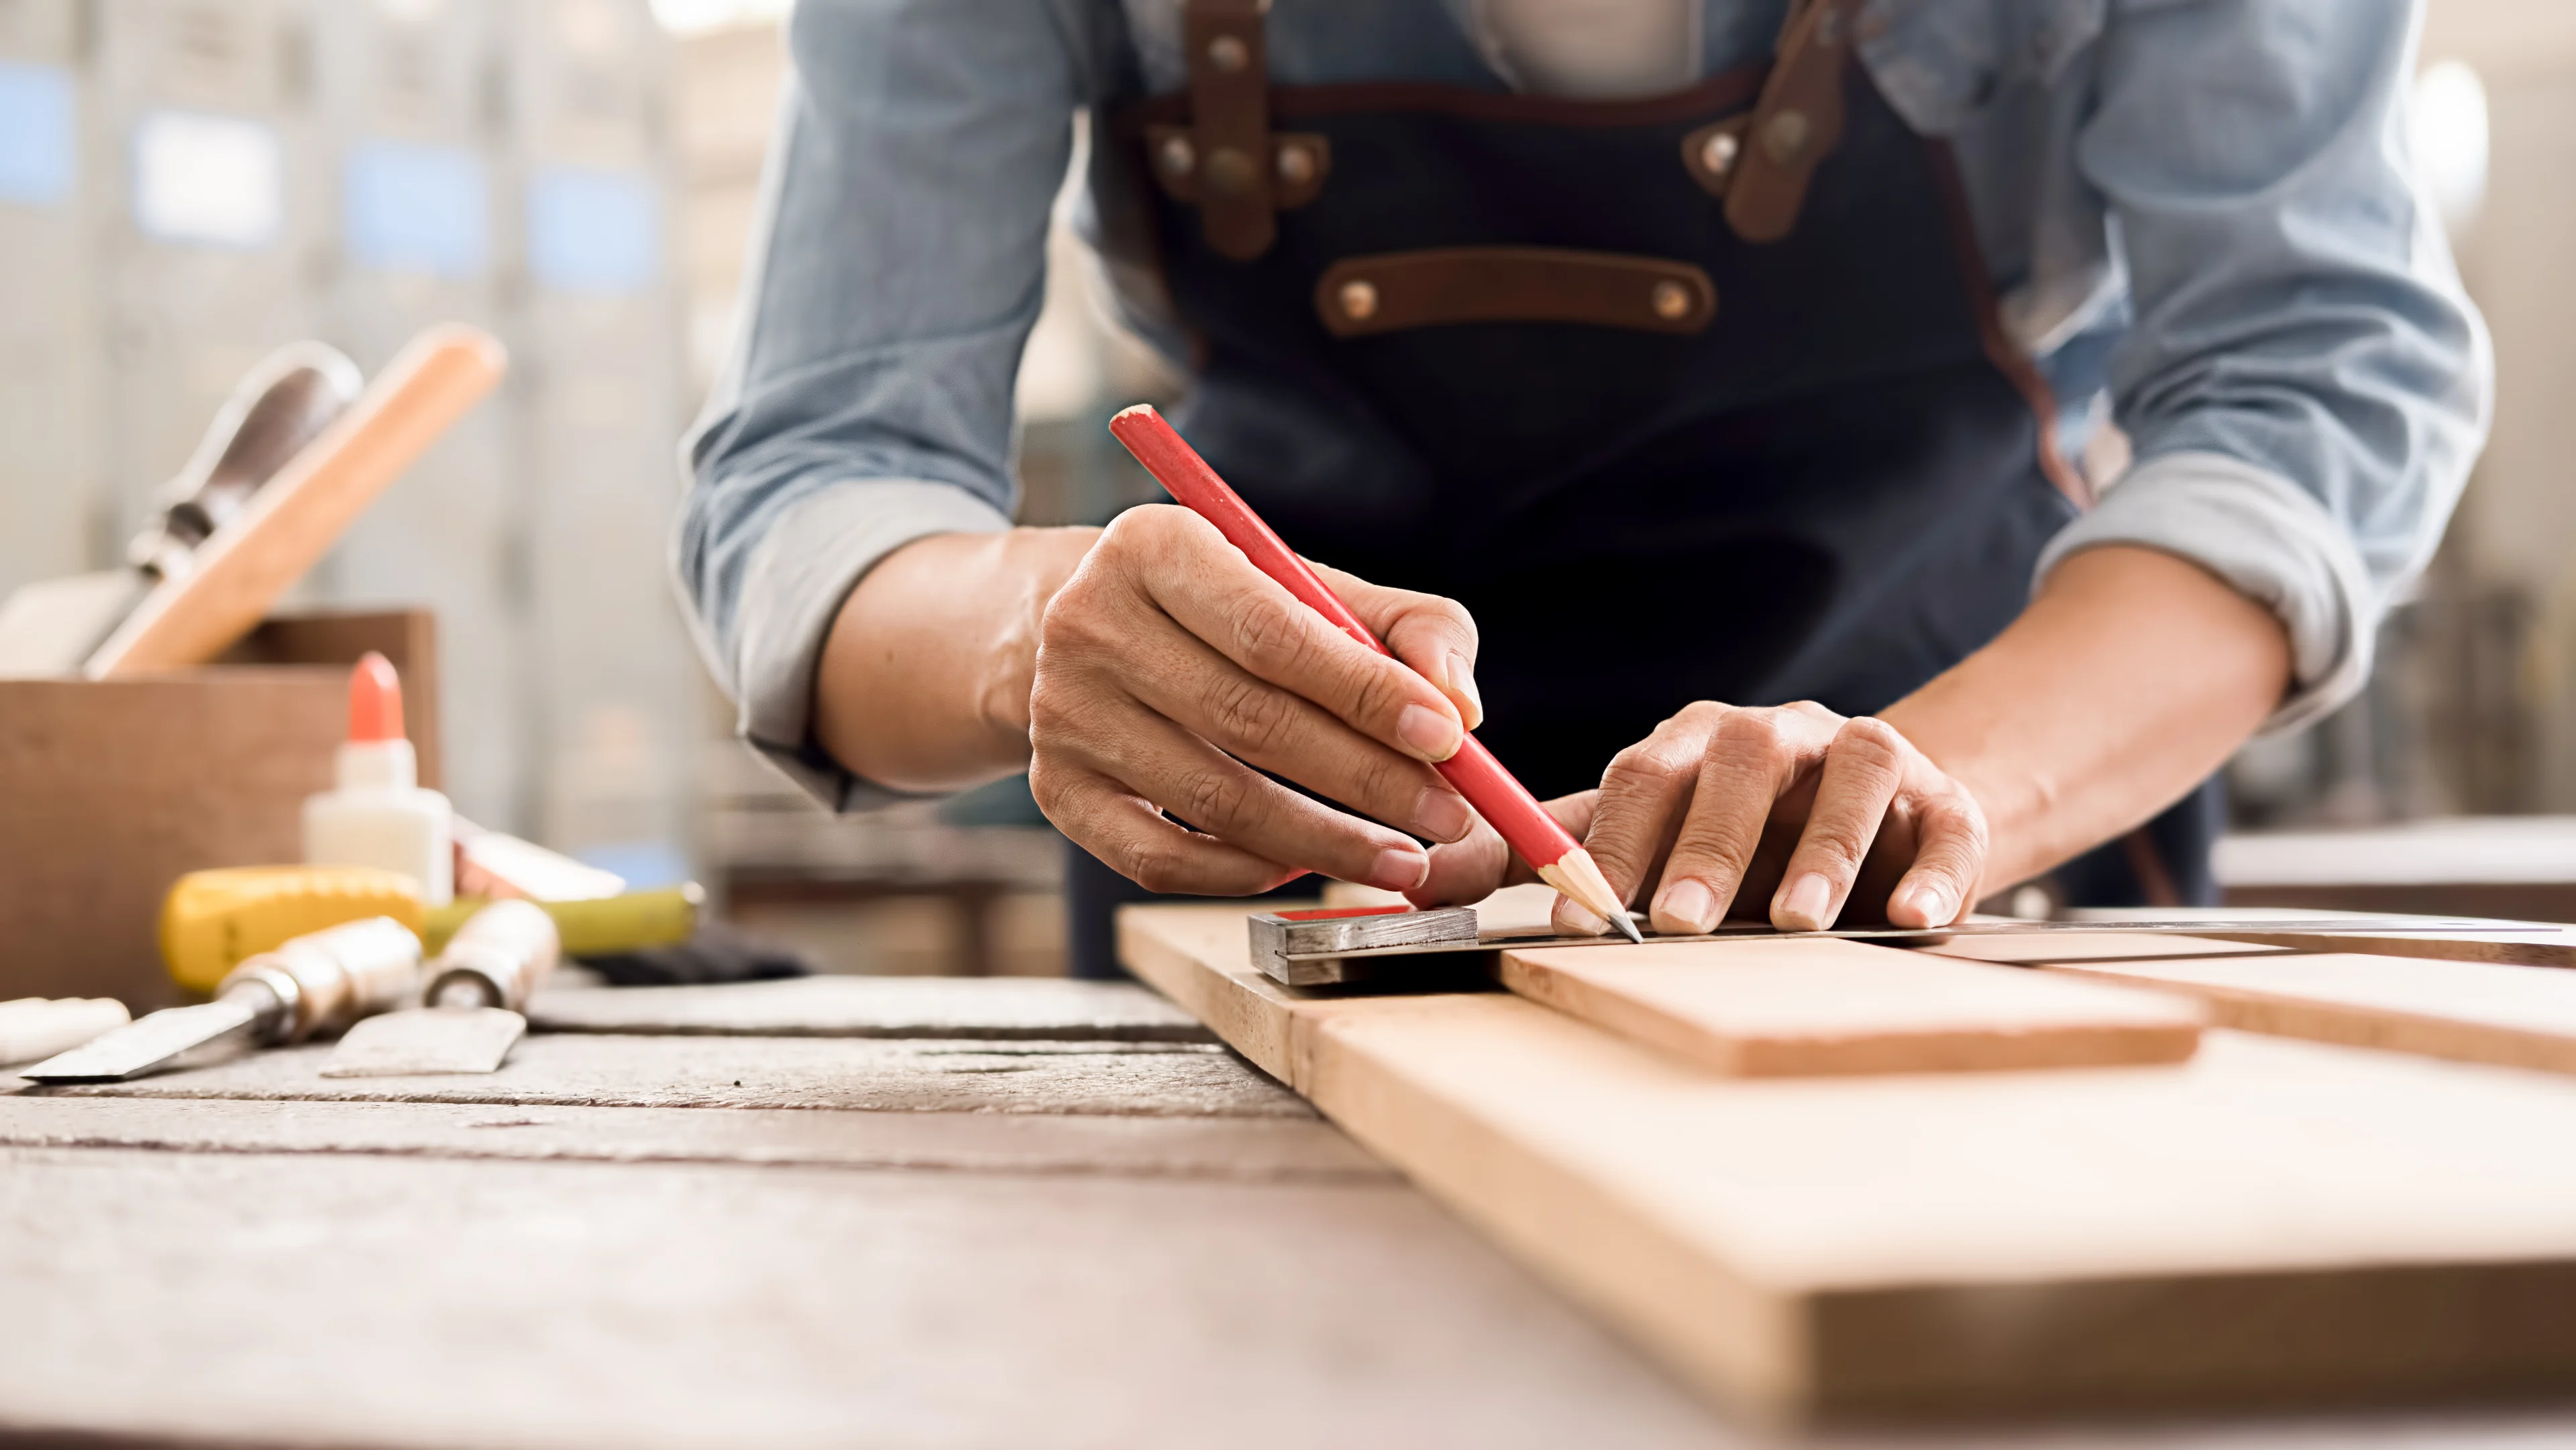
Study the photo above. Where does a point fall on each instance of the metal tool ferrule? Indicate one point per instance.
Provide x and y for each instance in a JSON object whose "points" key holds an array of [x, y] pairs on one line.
{"points": [[273, 997], [509, 947], [329, 979]]}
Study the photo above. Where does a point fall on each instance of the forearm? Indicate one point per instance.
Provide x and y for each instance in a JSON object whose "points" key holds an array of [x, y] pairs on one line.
{"points": [[2132, 675], [924, 681]]}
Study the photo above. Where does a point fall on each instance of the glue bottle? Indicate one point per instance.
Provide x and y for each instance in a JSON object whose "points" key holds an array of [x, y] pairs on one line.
{"points": [[379, 816]]}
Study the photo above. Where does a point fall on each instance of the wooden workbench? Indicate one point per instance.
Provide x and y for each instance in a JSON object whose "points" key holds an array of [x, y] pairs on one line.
{"points": [[837, 1212]]}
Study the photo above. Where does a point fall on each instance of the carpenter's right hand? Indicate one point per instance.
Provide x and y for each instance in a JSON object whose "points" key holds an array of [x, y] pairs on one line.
{"points": [[1168, 666]]}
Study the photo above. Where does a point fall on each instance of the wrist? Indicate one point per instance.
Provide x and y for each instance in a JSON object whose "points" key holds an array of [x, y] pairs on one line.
{"points": [[1036, 562]]}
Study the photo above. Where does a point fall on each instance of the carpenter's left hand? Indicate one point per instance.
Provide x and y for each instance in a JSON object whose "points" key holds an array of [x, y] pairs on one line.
{"points": [[1791, 811]]}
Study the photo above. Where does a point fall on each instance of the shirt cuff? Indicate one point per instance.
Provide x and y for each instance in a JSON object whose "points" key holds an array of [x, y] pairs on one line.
{"points": [[815, 553], [2267, 538]]}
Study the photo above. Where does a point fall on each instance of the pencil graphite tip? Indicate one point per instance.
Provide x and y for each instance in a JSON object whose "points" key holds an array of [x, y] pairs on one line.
{"points": [[1627, 925]]}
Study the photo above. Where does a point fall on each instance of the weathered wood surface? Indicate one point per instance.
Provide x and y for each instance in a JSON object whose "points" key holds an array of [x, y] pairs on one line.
{"points": [[1250, 1149], [862, 1074], [2270, 1221], [874, 1007], [404, 1301], [1826, 1008]]}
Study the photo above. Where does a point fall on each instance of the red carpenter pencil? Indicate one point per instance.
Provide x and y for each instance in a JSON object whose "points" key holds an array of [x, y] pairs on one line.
{"points": [[1504, 802]]}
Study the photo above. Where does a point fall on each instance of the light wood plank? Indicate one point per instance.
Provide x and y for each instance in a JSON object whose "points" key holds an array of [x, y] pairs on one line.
{"points": [[2463, 1011], [1806, 1008], [2271, 1221]]}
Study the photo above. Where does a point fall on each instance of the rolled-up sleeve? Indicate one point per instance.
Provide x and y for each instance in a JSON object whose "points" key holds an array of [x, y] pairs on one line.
{"points": [[895, 272], [2305, 384]]}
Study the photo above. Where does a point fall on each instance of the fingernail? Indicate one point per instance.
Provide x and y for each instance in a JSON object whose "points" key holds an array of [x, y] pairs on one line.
{"points": [[1573, 918], [1803, 905], [1442, 816], [1931, 906], [1399, 868], [1685, 906], [1462, 681], [1427, 733]]}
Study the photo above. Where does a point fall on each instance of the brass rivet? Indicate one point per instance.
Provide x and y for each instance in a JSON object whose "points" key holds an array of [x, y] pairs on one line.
{"points": [[1784, 136], [1178, 156], [1228, 172], [1672, 301], [1359, 300], [1719, 151], [1296, 165], [1229, 53]]}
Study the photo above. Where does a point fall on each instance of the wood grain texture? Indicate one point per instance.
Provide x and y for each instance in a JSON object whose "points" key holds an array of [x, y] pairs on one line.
{"points": [[386, 1301], [1822, 1007], [1173, 1079], [297, 516], [2463, 1011], [110, 790], [1240, 1149], [905, 1007], [2271, 1222]]}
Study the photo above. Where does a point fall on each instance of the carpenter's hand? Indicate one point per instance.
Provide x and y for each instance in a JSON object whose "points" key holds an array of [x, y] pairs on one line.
{"points": [[1168, 666], [1790, 811]]}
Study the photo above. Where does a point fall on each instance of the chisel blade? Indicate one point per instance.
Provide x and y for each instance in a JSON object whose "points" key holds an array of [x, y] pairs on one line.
{"points": [[153, 1042], [427, 1040]]}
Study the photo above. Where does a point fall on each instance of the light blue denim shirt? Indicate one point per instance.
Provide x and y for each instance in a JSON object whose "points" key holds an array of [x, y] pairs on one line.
{"points": [[2199, 214]]}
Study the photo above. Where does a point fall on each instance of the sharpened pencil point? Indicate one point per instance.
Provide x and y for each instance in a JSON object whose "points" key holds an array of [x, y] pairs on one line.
{"points": [[1627, 924]]}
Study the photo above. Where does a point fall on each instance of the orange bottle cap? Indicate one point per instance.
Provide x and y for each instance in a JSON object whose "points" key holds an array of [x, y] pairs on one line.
{"points": [[375, 700]]}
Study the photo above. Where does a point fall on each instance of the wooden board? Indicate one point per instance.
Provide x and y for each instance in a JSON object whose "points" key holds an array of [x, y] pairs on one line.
{"points": [[1823, 1007], [2270, 1222], [2463, 1011]]}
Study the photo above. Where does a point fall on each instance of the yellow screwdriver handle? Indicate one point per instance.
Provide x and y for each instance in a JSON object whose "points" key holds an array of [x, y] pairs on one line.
{"points": [[605, 927]]}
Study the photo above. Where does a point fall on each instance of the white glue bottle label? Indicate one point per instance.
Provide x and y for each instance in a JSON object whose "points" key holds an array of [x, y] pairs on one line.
{"points": [[379, 816]]}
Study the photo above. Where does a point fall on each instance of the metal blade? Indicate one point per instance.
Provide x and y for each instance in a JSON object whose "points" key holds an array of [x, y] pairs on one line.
{"points": [[49, 627], [2338, 926], [427, 1040], [150, 1043]]}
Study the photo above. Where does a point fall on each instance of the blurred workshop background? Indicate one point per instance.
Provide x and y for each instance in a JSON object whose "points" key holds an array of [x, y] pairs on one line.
{"points": [[186, 183]]}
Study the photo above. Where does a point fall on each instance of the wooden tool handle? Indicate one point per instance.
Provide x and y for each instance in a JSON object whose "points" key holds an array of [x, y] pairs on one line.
{"points": [[1502, 800], [291, 523]]}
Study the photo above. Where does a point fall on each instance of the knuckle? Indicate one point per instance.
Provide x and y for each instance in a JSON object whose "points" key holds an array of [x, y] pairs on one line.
{"points": [[1251, 717], [1872, 744], [1386, 781], [1273, 640], [1376, 692], [1213, 799], [1753, 732], [1642, 766], [1154, 864]]}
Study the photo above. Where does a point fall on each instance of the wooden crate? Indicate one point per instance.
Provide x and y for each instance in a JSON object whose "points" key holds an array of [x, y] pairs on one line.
{"points": [[110, 790]]}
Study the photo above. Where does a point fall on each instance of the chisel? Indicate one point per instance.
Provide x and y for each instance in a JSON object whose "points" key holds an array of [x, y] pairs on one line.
{"points": [[476, 993], [312, 985]]}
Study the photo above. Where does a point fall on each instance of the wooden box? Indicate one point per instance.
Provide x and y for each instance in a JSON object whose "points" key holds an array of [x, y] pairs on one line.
{"points": [[110, 790]]}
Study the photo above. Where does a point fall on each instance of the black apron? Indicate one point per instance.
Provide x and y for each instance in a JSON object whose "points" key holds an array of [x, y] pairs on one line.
{"points": [[1723, 366]]}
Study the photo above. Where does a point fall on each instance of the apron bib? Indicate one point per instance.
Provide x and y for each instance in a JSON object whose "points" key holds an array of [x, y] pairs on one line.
{"points": [[1725, 365]]}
